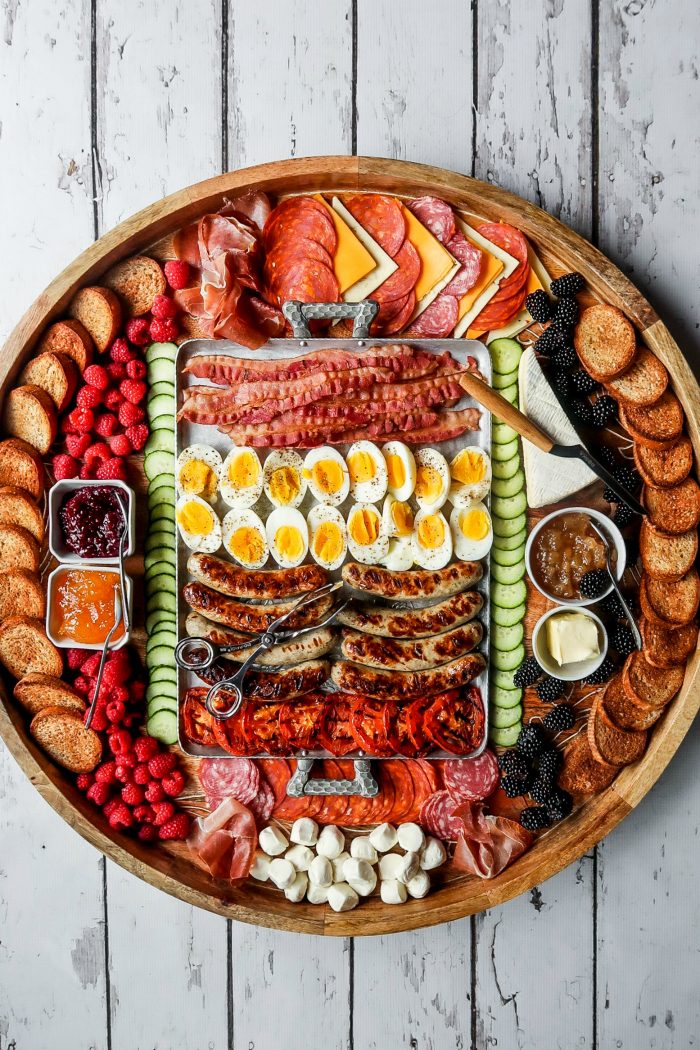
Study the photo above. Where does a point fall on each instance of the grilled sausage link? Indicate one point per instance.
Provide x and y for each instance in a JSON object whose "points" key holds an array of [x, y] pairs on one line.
{"points": [[273, 685], [252, 619], [311, 646], [413, 623], [420, 655], [413, 583], [257, 584], [407, 685]]}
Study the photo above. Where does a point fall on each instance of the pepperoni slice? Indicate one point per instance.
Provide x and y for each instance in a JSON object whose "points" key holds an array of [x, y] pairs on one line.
{"points": [[301, 216], [438, 320], [437, 215], [399, 322], [382, 218], [405, 787], [403, 280], [496, 315], [472, 779], [307, 280], [507, 237], [276, 773], [284, 253], [431, 774], [471, 259]]}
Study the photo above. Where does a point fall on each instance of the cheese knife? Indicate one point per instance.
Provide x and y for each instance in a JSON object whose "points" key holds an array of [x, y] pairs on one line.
{"points": [[516, 419]]}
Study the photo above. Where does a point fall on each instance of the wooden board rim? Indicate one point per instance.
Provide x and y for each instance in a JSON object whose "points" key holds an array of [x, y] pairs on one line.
{"points": [[567, 841]]}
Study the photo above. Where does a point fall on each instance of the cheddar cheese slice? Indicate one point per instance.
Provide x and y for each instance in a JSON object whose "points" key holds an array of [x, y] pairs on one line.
{"points": [[382, 265], [351, 261], [498, 265], [438, 267]]}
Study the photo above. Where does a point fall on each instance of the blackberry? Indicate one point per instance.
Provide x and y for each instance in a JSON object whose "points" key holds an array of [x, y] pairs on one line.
{"points": [[530, 741], [605, 453], [534, 818], [628, 477], [561, 383], [528, 673], [564, 356], [623, 640], [539, 306], [593, 583], [565, 314], [604, 410], [582, 412], [513, 764], [551, 689], [549, 760], [559, 805], [611, 605], [602, 674], [549, 342], [582, 382], [514, 786], [623, 515], [567, 285], [561, 717], [541, 789]]}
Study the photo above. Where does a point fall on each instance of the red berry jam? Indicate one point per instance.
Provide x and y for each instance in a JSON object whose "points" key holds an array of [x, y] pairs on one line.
{"points": [[92, 522]]}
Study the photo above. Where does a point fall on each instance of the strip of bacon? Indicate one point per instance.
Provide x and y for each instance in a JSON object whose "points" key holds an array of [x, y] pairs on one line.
{"points": [[307, 434]]}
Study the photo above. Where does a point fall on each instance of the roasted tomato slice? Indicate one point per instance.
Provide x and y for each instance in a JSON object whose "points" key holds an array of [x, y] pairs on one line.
{"points": [[301, 720], [197, 722], [456, 724], [261, 729], [229, 735], [401, 740], [336, 733], [369, 723]]}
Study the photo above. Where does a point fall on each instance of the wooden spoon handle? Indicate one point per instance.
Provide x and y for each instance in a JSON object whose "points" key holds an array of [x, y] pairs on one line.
{"points": [[493, 401]]}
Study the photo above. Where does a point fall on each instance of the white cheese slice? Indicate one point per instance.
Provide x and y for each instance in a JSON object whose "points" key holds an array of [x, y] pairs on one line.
{"points": [[548, 478], [509, 265], [363, 288], [430, 296]]}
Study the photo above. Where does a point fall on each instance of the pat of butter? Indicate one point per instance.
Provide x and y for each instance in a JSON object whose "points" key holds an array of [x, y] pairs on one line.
{"points": [[572, 638]]}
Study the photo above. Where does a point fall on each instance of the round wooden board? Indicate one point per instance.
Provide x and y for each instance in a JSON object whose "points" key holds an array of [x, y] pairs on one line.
{"points": [[170, 868]]}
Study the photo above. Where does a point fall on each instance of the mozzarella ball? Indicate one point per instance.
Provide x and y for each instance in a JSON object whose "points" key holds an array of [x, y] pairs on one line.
{"points": [[316, 894], [362, 849], [410, 866], [419, 885], [401, 469], [327, 475], [331, 842], [260, 869], [304, 831], [272, 841], [360, 875], [390, 864], [384, 837], [368, 472], [432, 479], [411, 837], [433, 855], [282, 873], [342, 897], [283, 478], [338, 863], [321, 871], [300, 857], [297, 890], [393, 892]]}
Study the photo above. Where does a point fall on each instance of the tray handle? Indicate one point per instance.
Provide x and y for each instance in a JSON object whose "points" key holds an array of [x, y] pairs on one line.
{"points": [[301, 783], [299, 314]]}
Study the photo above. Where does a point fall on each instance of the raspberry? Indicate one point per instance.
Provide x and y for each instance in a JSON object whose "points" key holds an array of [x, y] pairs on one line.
{"points": [[99, 721], [120, 817], [178, 828], [147, 833], [90, 666], [82, 685], [163, 331], [74, 659], [84, 781], [120, 742], [98, 793], [146, 747], [137, 435], [65, 466], [109, 807], [116, 672], [82, 420], [177, 274], [77, 443], [106, 424], [154, 792], [130, 414], [164, 308], [136, 369], [133, 390], [96, 375], [123, 772], [87, 472], [112, 470], [141, 774], [120, 349], [97, 453], [105, 772], [137, 691], [66, 427], [120, 694], [163, 811], [137, 331], [120, 445], [132, 794], [144, 813], [117, 371], [113, 400], [160, 765], [115, 711], [174, 784], [89, 397]]}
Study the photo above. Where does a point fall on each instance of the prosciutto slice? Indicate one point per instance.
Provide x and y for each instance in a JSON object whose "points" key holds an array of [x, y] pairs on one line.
{"points": [[225, 841], [487, 844]]}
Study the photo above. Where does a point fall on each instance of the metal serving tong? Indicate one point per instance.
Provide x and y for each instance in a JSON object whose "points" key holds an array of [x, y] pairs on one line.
{"points": [[197, 654]]}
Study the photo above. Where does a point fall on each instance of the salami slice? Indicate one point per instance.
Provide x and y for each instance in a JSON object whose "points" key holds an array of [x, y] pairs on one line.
{"points": [[263, 804], [471, 259], [496, 315], [229, 778], [437, 816], [473, 779], [276, 772], [437, 215], [401, 319], [438, 320], [382, 218], [505, 236], [402, 281], [300, 216]]}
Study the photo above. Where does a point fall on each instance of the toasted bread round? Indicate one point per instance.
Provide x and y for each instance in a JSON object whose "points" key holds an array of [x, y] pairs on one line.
{"points": [[35, 692], [664, 467], [25, 648], [643, 382], [21, 594], [137, 281], [667, 557], [71, 338], [65, 739], [17, 508], [55, 373], [668, 646], [676, 509], [658, 425], [581, 773], [605, 341], [100, 312], [645, 684], [30, 414], [670, 603], [626, 713], [608, 742], [18, 549], [22, 466]]}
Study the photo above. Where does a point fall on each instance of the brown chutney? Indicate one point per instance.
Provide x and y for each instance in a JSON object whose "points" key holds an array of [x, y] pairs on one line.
{"points": [[563, 551]]}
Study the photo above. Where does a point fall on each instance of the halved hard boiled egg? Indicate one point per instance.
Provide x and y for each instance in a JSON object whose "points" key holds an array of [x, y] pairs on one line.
{"points": [[397, 516], [327, 475], [283, 478], [244, 538], [432, 479], [328, 537], [367, 536], [401, 470], [199, 526], [471, 476], [401, 555], [432, 540], [471, 531], [287, 536], [197, 471], [241, 477], [368, 472]]}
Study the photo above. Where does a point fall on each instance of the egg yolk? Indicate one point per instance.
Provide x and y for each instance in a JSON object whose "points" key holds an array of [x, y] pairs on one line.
{"points": [[402, 518], [468, 467], [195, 519], [364, 527], [289, 542], [328, 541], [244, 470], [247, 545], [327, 475], [428, 483], [362, 467], [396, 469], [197, 477], [285, 484], [474, 524], [431, 532]]}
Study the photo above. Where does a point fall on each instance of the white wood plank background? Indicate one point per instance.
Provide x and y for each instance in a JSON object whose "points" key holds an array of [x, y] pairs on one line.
{"points": [[588, 107]]}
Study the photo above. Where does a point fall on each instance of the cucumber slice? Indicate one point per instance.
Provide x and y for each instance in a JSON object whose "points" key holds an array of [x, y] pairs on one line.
{"points": [[166, 351], [160, 441], [160, 585], [507, 617], [501, 661], [504, 680], [165, 422], [503, 379], [508, 506], [507, 557], [504, 639], [163, 492], [161, 655], [161, 600], [166, 480], [504, 717], [504, 452], [161, 703], [507, 527], [504, 488], [508, 596], [166, 569], [159, 463], [507, 573], [510, 393], [165, 386], [510, 543], [501, 433], [165, 635], [502, 737], [164, 553], [167, 674], [505, 355], [164, 509], [157, 690], [505, 698], [161, 404], [158, 616], [159, 538], [505, 468], [163, 726], [163, 519]]}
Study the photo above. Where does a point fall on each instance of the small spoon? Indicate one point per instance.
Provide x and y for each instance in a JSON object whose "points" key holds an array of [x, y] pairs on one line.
{"points": [[118, 610], [629, 616]]}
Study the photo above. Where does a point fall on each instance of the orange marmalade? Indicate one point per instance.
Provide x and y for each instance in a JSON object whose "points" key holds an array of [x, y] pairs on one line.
{"points": [[83, 606]]}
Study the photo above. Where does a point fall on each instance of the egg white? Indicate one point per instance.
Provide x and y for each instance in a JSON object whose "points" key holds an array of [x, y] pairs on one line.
{"points": [[368, 553], [430, 457], [277, 460], [465, 548], [294, 519], [319, 515], [461, 494], [200, 453], [374, 489], [316, 455], [236, 519], [432, 557], [401, 554], [387, 516], [397, 448], [196, 541], [231, 494]]}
